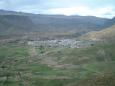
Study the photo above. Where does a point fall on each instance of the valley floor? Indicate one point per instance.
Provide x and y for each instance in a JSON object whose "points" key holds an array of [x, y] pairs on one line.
{"points": [[27, 65]]}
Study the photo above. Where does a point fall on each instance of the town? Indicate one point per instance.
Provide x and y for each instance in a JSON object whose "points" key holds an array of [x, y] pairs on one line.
{"points": [[70, 43]]}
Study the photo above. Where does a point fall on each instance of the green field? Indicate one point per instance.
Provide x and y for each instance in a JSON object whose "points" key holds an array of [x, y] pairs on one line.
{"points": [[23, 65]]}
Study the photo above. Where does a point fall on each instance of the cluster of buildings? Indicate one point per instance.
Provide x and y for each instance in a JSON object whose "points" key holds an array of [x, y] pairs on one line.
{"points": [[72, 43]]}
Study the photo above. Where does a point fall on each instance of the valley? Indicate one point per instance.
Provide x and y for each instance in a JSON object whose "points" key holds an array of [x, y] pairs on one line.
{"points": [[55, 66], [56, 50]]}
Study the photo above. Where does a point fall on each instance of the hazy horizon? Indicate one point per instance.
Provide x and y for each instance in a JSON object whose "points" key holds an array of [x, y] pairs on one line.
{"points": [[98, 8]]}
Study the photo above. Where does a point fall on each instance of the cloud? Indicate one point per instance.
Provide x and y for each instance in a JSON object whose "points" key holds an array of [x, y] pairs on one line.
{"points": [[105, 12], [84, 11], [69, 11], [99, 8]]}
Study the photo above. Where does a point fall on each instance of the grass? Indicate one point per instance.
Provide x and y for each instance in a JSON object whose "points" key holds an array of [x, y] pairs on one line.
{"points": [[86, 63]]}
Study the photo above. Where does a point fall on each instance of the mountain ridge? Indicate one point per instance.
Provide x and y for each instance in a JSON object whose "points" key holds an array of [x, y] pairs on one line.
{"points": [[31, 23]]}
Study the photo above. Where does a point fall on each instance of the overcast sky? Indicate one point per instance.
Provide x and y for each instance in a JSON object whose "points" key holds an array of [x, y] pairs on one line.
{"points": [[99, 8]]}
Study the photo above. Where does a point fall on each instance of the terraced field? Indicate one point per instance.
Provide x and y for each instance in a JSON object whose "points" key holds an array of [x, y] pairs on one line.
{"points": [[24, 65]]}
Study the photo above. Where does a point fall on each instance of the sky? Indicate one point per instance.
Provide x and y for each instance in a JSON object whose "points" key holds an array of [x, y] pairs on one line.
{"points": [[98, 8]]}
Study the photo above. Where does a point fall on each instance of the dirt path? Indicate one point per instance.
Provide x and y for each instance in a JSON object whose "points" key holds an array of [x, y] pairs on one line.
{"points": [[45, 59], [32, 51]]}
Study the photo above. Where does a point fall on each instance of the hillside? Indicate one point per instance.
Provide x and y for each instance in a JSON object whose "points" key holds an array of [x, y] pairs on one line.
{"points": [[106, 34], [110, 22], [69, 23], [15, 24], [29, 65], [12, 22]]}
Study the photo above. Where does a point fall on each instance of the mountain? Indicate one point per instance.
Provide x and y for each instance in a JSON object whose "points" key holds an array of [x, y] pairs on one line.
{"points": [[70, 23], [106, 34], [110, 22], [7, 12], [12, 22], [15, 24]]}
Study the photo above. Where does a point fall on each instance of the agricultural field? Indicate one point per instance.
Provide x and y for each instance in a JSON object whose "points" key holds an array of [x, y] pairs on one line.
{"points": [[25, 65]]}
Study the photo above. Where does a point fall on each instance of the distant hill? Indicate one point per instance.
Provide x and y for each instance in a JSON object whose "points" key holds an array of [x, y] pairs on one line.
{"points": [[7, 12], [12, 22], [110, 22], [69, 23], [106, 34], [15, 24]]}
